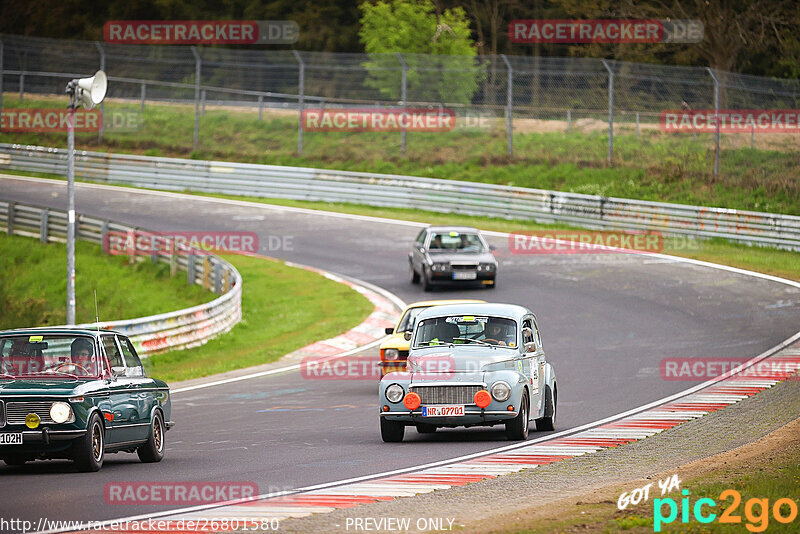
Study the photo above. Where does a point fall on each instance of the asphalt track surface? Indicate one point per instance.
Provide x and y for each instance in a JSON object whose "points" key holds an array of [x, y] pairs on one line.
{"points": [[607, 320]]}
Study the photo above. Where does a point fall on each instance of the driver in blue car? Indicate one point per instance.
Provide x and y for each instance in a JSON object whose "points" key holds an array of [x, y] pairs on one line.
{"points": [[497, 333]]}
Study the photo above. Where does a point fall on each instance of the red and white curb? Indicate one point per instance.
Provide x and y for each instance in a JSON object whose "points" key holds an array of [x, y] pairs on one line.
{"points": [[709, 397]]}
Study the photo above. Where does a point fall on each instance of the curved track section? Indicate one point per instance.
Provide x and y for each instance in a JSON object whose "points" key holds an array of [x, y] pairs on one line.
{"points": [[607, 321]]}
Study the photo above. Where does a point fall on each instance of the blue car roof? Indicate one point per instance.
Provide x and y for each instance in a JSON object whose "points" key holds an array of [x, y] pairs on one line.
{"points": [[512, 311]]}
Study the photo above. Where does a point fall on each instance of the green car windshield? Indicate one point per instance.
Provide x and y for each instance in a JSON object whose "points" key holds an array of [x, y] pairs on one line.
{"points": [[466, 329], [48, 356]]}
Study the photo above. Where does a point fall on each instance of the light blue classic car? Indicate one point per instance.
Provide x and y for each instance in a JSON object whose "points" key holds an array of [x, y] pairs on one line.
{"points": [[471, 365]]}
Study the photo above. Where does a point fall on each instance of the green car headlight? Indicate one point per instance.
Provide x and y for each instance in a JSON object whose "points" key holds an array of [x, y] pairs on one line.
{"points": [[394, 393], [500, 391], [61, 412]]}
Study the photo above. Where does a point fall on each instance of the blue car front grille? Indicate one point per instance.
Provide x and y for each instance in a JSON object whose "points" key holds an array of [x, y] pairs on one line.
{"points": [[447, 394]]}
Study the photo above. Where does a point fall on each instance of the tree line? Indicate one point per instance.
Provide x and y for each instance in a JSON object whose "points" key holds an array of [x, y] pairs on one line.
{"points": [[758, 37]]}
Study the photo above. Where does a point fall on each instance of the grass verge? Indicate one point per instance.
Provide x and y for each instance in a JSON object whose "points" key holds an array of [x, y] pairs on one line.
{"points": [[33, 287], [283, 309], [655, 166]]}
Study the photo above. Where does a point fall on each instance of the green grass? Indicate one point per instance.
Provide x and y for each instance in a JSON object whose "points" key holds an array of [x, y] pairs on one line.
{"points": [[283, 308], [655, 167], [33, 287]]}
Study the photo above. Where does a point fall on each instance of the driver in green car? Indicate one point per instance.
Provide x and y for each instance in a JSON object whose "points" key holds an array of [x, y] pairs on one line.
{"points": [[81, 352]]}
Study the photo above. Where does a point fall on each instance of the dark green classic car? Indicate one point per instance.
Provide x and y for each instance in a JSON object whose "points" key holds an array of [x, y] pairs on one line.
{"points": [[77, 394]]}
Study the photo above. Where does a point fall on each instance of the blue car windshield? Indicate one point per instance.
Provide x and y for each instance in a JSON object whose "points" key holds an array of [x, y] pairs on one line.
{"points": [[48, 356], [466, 329]]}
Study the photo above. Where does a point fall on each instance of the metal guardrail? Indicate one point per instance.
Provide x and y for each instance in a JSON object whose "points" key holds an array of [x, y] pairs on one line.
{"points": [[449, 196], [179, 329]]}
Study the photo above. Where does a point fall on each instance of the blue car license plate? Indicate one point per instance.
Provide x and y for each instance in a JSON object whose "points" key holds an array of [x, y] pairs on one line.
{"points": [[442, 411]]}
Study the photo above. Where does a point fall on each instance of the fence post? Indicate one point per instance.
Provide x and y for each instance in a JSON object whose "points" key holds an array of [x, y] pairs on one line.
{"points": [[637, 125], [143, 94], [217, 277], [190, 276], [403, 95], [10, 220], [569, 120], [301, 96], [203, 102], [43, 226], [509, 105], [198, 65], [716, 121], [752, 134], [102, 108], [260, 108], [610, 111], [206, 272], [103, 233]]}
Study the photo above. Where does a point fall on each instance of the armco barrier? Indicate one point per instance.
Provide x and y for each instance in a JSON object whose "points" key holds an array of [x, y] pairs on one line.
{"points": [[179, 329], [450, 196]]}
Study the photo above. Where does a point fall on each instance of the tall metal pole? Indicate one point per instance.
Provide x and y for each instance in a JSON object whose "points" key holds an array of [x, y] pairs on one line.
{"points": [[102, 108], [198, 64], [71, 215], [610, 111], [509, 106], [301, 95], [716, 121], [403, 94]]}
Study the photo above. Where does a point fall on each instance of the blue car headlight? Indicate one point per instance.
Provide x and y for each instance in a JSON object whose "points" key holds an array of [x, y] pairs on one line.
{"points": [[394, 393], [500, 391]]}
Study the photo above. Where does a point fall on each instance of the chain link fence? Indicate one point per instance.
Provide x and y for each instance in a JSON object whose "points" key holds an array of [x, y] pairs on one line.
{"points": [[508, 89]]}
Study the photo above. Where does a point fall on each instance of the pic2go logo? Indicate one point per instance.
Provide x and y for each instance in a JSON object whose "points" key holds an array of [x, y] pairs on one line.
{"points": [[756, 511]]}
